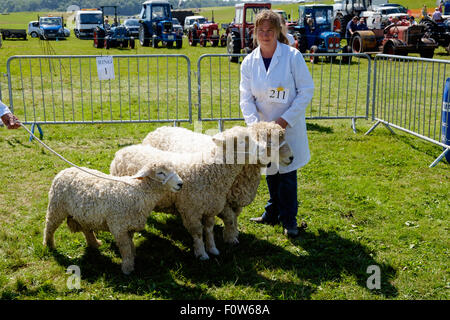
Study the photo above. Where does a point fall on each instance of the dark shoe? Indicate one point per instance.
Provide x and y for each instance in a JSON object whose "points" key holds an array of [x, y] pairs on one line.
{"points": [[262, 221], [291, 232]]}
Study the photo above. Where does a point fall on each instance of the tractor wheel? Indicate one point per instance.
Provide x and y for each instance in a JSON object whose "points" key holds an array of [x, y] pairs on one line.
{"points": [[223, 40], [107, 43], [429, 26], [346, 59], [154, 42], [427, 53], [302, 43], [179, 43], [143, 36], [389, 48], [124, 44], [132, 43], [340, 23], [214, 43], [202, 40], [169, 44], [313, 50], [357, 44], [192, 40], [34, 34], [233, 46]]}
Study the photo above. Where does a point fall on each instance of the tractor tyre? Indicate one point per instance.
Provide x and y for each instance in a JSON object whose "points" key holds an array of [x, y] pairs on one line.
{"points": [[155, 42], [233, 46], [427, 53], [357, 44], [143, 36], [340, 24], [107, 43], [169, 44], [313, 50], [202, 40], [34, 34], [223, 40], [124, 44], [192, 41], [132, 43], [302, 43], [429, 26], [179, 43], [214, 43], [346, 59]]}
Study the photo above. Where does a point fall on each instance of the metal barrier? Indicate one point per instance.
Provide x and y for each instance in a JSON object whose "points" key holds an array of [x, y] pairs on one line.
{"points": [[407, 95], [342, 88], [67, 90]]}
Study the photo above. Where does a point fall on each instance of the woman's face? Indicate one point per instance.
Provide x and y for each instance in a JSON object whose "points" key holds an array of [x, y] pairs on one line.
{"points": [[266, 34]]}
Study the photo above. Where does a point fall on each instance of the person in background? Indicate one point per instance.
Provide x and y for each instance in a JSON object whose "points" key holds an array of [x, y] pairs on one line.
{"points": [[274, 66], [362, 25], [412, 21], [437, 15], [351, 28], [10, 120], [424, 11]]}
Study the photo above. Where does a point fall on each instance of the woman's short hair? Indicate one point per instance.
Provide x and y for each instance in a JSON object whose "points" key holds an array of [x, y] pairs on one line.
{"points": [[275, 21]]}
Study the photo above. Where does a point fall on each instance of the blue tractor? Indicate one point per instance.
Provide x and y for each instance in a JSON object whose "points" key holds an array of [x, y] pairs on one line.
{"points": [[313, 31], [112, 35], [156, 25]]}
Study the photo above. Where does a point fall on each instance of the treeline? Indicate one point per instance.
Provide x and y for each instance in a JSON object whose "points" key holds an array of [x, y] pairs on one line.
{"points": [[125, 7]]}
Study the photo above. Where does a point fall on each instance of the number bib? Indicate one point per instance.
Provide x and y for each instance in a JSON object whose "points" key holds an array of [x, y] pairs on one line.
{"points": [[279, 95]]}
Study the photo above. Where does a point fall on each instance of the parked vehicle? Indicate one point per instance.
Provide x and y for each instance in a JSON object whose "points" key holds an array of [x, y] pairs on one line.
{"points": [[156, 25], [401, 8], [395, 39], [239, 32], [177, 26], [86, 20], [51, 27], [132, 26], [189, 22], [13, 34], [205, 32], [112, 36], [313, 31], [33, 29]]}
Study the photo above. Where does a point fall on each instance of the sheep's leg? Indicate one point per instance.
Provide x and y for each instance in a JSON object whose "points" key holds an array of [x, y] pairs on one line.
{"points": [[91, 239], [230, 230], [133, 248], [195, 229], [125, 244], [208, 226], [52, 221]]}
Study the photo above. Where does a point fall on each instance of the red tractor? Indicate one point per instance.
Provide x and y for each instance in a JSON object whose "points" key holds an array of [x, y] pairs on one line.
{"points": [[203, 31], [239, 33], [395, 39]]}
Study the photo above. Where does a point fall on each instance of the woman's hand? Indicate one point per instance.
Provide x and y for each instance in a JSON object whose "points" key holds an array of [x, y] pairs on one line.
{"points": [[282, 122], [11, 121]]}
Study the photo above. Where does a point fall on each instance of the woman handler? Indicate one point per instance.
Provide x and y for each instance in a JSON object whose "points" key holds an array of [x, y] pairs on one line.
{"points": [[276, 86]]}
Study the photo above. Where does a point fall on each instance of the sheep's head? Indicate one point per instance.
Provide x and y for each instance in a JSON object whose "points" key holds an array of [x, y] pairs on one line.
{"points": [[161, 173], [272, 138], [236, 146]]}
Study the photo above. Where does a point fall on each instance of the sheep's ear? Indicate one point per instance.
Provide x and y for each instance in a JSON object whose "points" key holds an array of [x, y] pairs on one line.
{"points": [[218, 139], [141, 174]]}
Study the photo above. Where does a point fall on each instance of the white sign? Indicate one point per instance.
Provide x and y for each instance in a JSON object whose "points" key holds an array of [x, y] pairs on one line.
{"points": [[279, 95], [105, 67]]}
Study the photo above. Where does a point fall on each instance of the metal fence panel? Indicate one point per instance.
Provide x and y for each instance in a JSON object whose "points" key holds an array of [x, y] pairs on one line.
{"points": [[408, 95], [66, 89], [342, 89]]}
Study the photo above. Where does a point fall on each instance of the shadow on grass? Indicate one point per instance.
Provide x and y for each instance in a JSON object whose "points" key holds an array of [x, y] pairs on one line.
{"points": [[318, 128], [163, 269]]}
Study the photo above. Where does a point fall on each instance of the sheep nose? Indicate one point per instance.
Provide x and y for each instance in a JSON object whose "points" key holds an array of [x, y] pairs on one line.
{"points": [[180, 184], [291, 158]]}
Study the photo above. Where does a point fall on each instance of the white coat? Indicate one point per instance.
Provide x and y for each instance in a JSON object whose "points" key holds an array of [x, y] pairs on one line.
{"points": [[288, 72]]}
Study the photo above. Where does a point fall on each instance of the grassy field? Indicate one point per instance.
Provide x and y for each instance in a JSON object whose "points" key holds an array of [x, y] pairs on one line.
{"points": [[367, 200]]}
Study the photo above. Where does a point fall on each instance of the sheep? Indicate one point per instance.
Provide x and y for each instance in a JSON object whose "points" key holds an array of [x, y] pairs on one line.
{"points": [[91, 201], [207, 180], [244, 188]]}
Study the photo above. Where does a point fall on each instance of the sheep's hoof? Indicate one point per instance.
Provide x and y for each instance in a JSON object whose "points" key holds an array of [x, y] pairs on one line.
{"points": [[127, 269], [233, 240], [214, 251], [203, 257]]}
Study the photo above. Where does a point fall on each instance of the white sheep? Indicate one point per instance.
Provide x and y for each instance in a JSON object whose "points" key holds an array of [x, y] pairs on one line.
{"points": [[207, 180], [245, 186], [100, 202]]}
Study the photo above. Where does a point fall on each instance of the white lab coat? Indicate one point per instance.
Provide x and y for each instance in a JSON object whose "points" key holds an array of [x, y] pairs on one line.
{"points": [[4, 109], [287, 70]]}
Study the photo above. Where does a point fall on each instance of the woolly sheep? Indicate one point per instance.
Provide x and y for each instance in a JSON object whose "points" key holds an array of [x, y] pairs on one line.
{"points": [[244, 188], [207, 180], [95, 203]]}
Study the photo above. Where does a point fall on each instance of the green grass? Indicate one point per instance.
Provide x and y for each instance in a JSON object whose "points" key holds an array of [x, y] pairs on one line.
{"points": [[367, 200]]}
